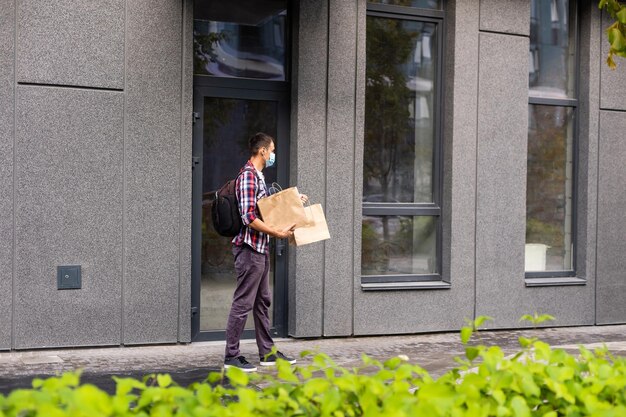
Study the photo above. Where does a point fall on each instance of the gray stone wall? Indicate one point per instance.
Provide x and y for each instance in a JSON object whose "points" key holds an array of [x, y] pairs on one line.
{"points": [[95, 149], [611, 285], [7, 108], [308, 161], [485, 156], [95, 171]]}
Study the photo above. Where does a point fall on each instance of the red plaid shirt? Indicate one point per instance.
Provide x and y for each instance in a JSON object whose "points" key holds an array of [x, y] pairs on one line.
{"points": [[250, 187]]}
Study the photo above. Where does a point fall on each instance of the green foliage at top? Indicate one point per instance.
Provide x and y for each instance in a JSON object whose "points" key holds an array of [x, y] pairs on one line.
{"points": [[537, 381], [617, 31]]}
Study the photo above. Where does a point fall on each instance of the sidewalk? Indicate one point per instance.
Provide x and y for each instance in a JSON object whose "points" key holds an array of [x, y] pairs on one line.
{"points": [[192, 362]]}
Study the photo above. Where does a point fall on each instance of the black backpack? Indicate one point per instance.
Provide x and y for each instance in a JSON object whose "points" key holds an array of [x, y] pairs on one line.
{"points": [[225, 211]]}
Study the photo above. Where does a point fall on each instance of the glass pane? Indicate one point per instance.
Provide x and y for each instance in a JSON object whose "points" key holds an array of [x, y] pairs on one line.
{"points": [[399, 245], [228, 124], [399, 110], [549, 203], [552, 48], [235, 41], [421, 4]]}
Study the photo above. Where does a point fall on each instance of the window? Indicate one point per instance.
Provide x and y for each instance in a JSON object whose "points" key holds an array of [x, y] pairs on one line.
{"points": [[553, 108], [401, 230], [233, 41]]}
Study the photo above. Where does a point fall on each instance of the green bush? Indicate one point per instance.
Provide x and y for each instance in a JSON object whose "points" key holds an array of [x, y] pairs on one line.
{"points": [[537, 381]]}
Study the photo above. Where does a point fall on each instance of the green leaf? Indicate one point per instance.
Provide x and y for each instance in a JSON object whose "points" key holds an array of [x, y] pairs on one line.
{"points": [[621, 16], [526, 317], [610, 62], [164, 380], [471, 352], [37, 383], [466, 334], [480, 320], [519, 407], [545, 317], [392, 363], [529, 387], [525, 342], [285, 372], [616, 39], [237, 377], [124, 386]]}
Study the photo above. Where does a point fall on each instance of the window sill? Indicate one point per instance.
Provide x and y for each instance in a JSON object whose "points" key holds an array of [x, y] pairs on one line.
{"points": [[421, 285], [554, 282]]}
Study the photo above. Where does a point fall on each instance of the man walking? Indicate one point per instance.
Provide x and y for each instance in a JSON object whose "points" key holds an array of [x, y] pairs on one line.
{"points": [[252, 260]]}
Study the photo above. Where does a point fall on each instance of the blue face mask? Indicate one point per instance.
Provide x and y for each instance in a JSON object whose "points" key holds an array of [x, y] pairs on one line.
{"points": [[270, 162]]}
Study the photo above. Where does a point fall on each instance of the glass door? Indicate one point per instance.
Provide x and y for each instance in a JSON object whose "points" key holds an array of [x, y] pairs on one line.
{"points": [[225, 120], [241, 87]]}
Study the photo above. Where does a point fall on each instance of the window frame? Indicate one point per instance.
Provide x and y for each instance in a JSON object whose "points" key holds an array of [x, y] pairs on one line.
{"points": [[434, 209], [565, 277]]}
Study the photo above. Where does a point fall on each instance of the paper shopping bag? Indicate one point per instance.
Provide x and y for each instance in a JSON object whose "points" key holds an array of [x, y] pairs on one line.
{"points": [[282, 209], [316, 229]]}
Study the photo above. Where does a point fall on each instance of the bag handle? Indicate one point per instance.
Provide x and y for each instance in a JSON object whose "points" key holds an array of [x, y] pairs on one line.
{"points": [[274, 188]]}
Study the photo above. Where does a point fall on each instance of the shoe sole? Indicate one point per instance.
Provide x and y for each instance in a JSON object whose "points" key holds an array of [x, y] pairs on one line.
{"points": [[243, 369], [274, 363]]}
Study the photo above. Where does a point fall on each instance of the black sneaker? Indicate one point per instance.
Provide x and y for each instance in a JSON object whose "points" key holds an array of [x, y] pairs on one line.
{"points": [[270, 359], [239, 362]]}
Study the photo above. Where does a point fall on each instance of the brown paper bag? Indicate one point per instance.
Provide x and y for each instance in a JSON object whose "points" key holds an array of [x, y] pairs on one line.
{"points": [[316, 229], [282, 209]]}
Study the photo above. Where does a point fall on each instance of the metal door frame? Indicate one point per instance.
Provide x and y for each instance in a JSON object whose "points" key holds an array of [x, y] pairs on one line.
{"points": [[205, 86]]}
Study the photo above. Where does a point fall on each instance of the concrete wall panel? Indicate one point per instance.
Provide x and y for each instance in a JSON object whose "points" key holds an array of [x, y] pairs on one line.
{"points": [[501, 202], [613, 87], [70, 42], [587, 167], [506, 16], [7, 107], [611, 284], [152, 171], [501, 174], [460, 141], [69, 146], [308, 159], [340, 178]]}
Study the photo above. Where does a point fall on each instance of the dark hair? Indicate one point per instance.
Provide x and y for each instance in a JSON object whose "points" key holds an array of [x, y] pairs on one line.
{"points": [[258, 141]]}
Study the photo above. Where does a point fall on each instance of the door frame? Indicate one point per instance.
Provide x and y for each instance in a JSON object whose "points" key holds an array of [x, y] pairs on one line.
{"points": [[243, 89]]}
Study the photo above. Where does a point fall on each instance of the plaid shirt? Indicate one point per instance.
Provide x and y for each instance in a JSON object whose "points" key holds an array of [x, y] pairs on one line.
{"points": [[250, 187]]}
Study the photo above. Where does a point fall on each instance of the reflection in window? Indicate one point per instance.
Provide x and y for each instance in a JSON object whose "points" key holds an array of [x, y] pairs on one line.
{"points": [[401, 213], [552, 48], [398, 245], [399, 100], [421, 4], [549, 202], [235, 41], [227, 125]]}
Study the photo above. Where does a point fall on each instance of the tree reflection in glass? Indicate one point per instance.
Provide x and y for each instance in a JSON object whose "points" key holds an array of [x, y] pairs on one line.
{"points": [[549, 189], [231, 49], [399, 128], [399, 144], [552, 48], [421, 4]]}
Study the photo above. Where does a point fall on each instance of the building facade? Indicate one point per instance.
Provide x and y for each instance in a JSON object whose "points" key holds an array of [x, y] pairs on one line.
{"points": [[467, 154]]}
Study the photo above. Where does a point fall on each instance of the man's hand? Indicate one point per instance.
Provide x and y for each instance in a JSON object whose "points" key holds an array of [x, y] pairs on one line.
{"points": [[304, 198], [285, 233]]}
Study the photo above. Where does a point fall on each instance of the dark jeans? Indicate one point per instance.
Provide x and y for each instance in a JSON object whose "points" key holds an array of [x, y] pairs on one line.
{"points": [[252, 294]]}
